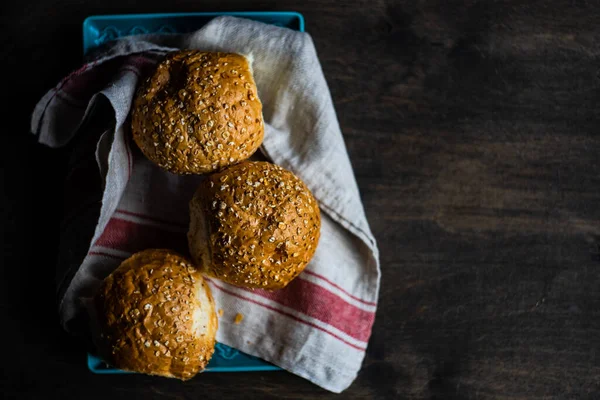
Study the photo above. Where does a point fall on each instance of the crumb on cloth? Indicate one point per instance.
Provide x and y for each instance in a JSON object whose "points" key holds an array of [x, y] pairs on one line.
{"points": [[238, 318]]}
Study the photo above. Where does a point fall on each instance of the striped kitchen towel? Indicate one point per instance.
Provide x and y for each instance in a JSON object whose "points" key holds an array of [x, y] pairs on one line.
{"points": [[318, 327]]}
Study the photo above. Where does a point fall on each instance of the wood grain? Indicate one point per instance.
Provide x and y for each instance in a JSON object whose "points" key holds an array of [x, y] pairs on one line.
{"points": [[473, 130]]}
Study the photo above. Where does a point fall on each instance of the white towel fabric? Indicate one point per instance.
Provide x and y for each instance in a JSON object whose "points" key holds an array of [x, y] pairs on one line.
{"points": [[318, 327]]}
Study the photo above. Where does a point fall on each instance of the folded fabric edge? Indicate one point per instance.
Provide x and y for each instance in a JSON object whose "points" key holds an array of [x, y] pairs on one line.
{"points": [[105, 208], [365, 236], [343, 378], [37, 126]]}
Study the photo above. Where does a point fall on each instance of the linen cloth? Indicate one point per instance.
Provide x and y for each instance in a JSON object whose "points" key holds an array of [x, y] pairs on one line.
{"points": [[317, 327]]}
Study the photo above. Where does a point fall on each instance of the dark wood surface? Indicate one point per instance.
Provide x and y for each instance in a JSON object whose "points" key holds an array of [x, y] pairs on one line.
{"points": [[473, 131]]}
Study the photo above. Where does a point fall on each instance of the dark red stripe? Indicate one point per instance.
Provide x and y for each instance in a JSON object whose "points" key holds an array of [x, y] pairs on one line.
{"points": [[179, 225], [370, 303], [66, 80], [319, 303], [154, 219], [162, 221], [284, 313], [139, 62], [300, 295], [74, 74], [132, 237], [100, 253], [91, 78], [62, 95]]}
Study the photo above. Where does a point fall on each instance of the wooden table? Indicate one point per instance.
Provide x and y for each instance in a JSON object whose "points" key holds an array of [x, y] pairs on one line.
{"points": [[473, 131]]}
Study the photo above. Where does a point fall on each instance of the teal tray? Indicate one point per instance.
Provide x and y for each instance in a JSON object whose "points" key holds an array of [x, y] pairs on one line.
{"points": [[225, 359], [100, 29]]}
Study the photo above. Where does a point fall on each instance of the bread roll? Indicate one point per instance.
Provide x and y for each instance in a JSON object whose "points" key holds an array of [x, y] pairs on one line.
{"points": [[198, 112], [156, 315], [254, 224]]}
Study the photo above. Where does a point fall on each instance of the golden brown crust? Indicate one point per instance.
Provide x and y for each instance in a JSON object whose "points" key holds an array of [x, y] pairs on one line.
{"points": [[198, 112], [156, 316], [262, 224]]}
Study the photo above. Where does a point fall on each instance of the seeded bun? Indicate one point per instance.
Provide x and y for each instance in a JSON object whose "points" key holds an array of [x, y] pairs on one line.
{"points": [[254, 224], [156, 315], [198, 112]]}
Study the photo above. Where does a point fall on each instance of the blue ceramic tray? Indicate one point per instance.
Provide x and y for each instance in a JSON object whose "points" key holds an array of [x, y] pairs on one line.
{"points": [[102, 28], [99, 29], [225, 359]]}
